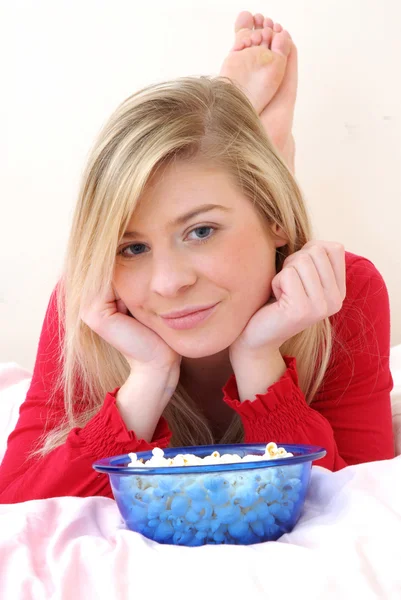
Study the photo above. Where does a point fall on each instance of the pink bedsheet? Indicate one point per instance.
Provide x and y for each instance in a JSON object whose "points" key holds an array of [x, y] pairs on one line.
{"points": [[346, 545]]}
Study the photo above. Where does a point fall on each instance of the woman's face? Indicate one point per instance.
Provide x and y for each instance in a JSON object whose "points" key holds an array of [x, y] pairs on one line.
{"points": [[196, 242]]}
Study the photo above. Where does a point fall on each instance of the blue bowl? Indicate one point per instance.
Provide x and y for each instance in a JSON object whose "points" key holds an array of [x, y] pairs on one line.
{"points": [[231, 503]]}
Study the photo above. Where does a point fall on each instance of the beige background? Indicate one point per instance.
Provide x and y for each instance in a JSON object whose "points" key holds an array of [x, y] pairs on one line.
{"points": [[67, 65]]}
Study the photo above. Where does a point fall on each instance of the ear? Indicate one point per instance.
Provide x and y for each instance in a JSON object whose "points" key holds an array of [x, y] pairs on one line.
{"points": [[279, 237]]}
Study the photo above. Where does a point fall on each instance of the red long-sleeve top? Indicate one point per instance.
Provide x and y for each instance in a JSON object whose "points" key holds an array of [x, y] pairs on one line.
{"points": [[350, 415]]}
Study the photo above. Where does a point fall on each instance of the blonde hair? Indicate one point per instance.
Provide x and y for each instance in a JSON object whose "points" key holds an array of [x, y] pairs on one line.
{"points": [[206, 118]]}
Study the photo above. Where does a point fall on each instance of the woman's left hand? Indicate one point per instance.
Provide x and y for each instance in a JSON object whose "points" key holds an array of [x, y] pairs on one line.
{"points": [[310, 287]]}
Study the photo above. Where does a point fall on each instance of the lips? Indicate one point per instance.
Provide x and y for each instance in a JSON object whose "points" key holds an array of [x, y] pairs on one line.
{"points": [[189, 320], [185, 312]]}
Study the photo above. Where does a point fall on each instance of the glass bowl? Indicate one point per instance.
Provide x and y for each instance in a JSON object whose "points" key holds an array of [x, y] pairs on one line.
{"points": [[231, 503]]}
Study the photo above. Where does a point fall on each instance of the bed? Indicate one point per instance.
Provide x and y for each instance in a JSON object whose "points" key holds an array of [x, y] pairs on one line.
{"points": [[345, 545]]}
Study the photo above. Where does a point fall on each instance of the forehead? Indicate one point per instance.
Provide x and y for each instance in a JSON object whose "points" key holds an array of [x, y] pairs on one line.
{"points": [[181, 186]]}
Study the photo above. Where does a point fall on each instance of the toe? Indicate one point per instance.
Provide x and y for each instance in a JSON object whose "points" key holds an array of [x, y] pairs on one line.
{"points": [[277, 27], [267, 34], [258, 20], [281, 43], [244, 21], [238, 45], [242, 40], [268, 22], [256, 37]]}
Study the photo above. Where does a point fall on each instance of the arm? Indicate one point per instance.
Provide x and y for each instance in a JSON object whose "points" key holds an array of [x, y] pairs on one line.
{"points": [[351, 413], [288, 153], [282, 415], [67, 470]]}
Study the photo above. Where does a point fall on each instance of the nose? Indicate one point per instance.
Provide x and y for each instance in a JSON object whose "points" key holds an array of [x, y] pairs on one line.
{"points": [[171, 274]]}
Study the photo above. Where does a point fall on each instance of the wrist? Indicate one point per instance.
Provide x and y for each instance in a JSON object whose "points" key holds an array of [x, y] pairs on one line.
{"points": [[155, 382], [143, 397], [240, 355], [256, 370], [162, 370]]}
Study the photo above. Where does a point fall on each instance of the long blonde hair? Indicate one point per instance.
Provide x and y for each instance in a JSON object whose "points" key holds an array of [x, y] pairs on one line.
{"points": [[189, 118]]}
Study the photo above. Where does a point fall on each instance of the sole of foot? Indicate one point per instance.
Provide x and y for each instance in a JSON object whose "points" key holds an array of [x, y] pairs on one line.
{"points": [[264, 64], [258, 59]]}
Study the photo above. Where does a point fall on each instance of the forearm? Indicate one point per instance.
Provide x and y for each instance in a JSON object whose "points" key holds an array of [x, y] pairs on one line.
{"points": [[283, 416], [287, 151], [143, 398], [255, 372], [105, 434]]}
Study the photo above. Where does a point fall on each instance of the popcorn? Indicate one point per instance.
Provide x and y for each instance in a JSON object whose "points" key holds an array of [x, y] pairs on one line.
{"points": [[271, 449], [181, 460], [238, 506]]}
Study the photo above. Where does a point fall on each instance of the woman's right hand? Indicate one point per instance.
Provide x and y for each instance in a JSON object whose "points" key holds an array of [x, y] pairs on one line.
{"points": [[155, 367], [142, 347]]}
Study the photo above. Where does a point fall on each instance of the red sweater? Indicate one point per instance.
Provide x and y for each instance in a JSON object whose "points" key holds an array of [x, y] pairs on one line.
{"points": [[350, 415]]}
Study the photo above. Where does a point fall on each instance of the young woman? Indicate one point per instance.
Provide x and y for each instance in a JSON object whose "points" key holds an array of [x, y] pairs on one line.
{"points": [[194, 306]]}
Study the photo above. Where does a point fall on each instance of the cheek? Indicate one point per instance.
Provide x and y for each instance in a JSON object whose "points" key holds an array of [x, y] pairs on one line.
{"points": [[247, 271], [129, 286]]}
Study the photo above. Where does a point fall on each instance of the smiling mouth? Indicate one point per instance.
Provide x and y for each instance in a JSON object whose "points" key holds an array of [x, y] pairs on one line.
{"points": [[189, 320], [185, 312]]}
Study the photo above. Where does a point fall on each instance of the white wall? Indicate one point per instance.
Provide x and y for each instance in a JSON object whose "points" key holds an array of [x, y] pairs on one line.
{"points": [[67, 65]]}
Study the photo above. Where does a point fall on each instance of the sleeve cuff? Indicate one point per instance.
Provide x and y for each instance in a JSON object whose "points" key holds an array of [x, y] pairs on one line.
{"points": [[107, 435], [274, 414]]}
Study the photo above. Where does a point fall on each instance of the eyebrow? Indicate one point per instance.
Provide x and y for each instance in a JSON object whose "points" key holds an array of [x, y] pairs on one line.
{"points": [[183, 218]]}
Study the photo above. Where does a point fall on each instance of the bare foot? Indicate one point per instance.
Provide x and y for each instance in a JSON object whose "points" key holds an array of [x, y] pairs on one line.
{"points": [[258, 59], [263, 62], [277, 117]]}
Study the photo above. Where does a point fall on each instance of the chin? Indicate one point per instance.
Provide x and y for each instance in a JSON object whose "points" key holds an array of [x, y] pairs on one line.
{"points": [[196, 353], [198, 348]]}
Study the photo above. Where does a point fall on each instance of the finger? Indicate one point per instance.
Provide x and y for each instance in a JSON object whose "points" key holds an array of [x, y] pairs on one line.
{"points": [[309, 276], [336, 255], [101, 304], [337, 259], [328, 298], [288, 288], [324, 268], [121, 307]]}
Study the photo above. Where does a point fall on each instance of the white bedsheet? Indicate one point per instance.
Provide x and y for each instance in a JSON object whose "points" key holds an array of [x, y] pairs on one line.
{"points": [[346, 544]]}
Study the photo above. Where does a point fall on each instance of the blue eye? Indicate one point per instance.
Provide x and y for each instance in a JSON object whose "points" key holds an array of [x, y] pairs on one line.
{"points": [[135, 248], [204, 232]]}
